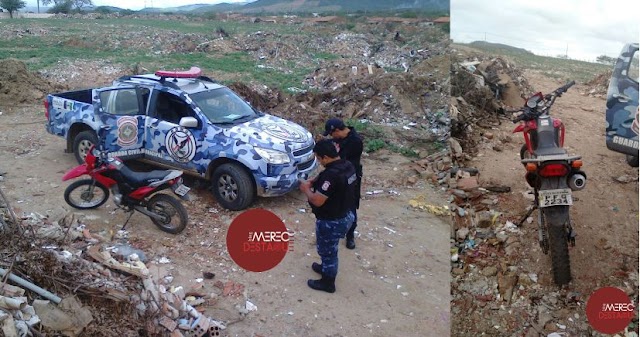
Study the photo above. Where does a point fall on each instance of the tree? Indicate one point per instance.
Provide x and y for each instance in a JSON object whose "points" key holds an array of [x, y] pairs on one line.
{"points": [[604, 59], [12, 5], [61, 5]]}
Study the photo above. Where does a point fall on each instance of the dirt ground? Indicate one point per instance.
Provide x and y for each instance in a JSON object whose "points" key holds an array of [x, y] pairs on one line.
{"points": [[605, 216], [396, 282]]}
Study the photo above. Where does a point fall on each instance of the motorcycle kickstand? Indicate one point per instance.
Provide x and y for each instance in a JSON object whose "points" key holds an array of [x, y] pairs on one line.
{"points": [[126, 222], [527, 215]]}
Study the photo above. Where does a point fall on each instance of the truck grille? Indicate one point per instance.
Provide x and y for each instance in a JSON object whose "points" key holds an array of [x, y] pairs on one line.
{"points": [[306, 165], [303, 151]]}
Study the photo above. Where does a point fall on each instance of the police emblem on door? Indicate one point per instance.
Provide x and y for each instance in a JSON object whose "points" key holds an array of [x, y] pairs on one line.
{"points": [[180, 144], [127, 131]]}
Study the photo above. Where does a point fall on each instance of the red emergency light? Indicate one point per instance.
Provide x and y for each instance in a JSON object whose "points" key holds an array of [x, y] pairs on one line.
{"points": [[194, 72]]}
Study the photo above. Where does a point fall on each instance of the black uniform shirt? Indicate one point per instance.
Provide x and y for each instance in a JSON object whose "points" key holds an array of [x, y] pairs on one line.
{"points": [[350, 148], [337, 183]]}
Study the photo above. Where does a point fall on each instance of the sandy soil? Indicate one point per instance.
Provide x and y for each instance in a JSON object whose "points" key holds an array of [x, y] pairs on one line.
{"points": [[605, 216], [391, 284]]}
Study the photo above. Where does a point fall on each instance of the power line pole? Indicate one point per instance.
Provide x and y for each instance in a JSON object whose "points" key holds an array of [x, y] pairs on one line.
{"points": [[566, 53]]}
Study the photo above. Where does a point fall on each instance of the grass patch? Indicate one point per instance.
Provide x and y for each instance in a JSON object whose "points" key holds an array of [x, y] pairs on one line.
{"points": [[375, 138], [84, 40]]}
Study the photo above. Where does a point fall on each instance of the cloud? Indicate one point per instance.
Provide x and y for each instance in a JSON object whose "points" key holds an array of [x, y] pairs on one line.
{"points": [[588, 28]]}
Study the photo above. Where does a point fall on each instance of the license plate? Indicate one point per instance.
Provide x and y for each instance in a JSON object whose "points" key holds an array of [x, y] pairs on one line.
{"points": [[560, 197], [182, 190]]}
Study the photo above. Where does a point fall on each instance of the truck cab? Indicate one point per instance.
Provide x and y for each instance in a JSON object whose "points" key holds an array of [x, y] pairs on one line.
{"points": [[186, 121], [622, 105]]}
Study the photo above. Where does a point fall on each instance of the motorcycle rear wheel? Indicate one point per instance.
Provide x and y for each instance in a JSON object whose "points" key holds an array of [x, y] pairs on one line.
{"points": [[89, 199], [172, 210], [556, 217], [524, 153]]}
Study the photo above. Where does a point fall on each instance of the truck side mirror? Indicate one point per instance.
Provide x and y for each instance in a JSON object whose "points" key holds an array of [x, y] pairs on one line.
{"points": [[188, 122]]}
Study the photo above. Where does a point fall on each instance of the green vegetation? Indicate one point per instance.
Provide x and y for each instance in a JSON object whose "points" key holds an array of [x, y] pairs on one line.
{"points": [[12, 5], [107, 39], [376, 138]]}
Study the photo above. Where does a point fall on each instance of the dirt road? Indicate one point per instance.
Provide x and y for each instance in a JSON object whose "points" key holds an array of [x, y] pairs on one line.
{"points": [[605, 216], [396, 282]]}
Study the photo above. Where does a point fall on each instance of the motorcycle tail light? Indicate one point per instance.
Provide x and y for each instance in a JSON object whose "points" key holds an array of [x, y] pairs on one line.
{"points": [[554, 170], [576, 164], [531, 167]]}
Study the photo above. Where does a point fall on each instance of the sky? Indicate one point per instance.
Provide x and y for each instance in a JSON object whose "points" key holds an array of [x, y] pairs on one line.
{"points": [[583, 29], [140, 4]]}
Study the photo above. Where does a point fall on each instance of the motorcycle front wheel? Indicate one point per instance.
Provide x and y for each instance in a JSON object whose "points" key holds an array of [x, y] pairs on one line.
{"points": [[556, 218], [169, 208], [86, 194]]}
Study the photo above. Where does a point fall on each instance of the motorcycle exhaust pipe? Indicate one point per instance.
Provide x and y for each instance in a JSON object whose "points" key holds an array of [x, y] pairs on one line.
{"points": [[577, 182], [149, 213]]}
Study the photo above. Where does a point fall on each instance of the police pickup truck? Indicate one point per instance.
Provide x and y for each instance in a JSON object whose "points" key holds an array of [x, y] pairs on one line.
{"points": [[183, 120], [622, 126]]}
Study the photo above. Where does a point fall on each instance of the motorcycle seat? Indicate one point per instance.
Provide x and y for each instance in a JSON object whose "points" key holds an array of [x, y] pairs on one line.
{"points": [[139, 179], [549, 151]]}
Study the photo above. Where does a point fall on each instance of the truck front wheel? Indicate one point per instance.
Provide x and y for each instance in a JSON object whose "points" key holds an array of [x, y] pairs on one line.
{"points": [[232, 186], [82, 143], [632, 160]]}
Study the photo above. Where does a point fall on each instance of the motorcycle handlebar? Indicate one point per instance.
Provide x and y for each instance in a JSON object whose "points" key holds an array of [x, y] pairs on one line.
{"points": [[565, 87]]}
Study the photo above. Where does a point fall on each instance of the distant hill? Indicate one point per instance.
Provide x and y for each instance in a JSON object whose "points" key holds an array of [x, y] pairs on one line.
{"points": [[221, 7], [341, 5], [297, 6], [497, 47]]}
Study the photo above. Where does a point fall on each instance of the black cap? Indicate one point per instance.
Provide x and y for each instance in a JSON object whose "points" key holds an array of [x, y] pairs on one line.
{"points": [[325, 147], [332, 124]]}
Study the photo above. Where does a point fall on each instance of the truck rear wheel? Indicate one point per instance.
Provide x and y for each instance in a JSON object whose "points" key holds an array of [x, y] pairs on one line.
{"points": [[232, 186], [82, 143]]}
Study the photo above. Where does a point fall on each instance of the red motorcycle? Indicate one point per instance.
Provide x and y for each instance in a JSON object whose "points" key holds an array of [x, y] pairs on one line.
{"points": [[132, 191], [553, 174]]}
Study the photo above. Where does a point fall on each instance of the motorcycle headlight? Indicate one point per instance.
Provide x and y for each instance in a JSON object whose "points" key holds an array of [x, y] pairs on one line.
{"points": [[273, 156]]}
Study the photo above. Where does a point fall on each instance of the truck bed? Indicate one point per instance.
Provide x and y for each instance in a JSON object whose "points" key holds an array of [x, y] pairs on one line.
{"points": [[83, 96]]}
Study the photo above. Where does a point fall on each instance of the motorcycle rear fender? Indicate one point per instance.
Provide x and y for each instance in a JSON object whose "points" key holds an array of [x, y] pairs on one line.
{"points": [[141, 192], [76, 172]]}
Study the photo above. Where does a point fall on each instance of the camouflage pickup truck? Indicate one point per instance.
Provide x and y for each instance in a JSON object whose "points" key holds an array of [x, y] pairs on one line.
{"points": [[622, 105], [182, 120]]}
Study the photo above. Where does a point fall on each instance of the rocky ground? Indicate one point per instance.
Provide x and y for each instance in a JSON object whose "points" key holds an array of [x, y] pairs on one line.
{"points": [[501, 280], [396, 282]]}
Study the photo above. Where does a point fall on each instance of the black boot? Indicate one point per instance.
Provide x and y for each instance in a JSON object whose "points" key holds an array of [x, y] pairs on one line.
{"points": [[351, 243], [327, 284], [317, 268]]}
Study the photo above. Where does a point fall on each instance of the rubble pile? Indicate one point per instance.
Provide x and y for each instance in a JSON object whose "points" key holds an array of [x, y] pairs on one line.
{"points": [[19, 86], [481, 90], [599, 85], [99, 72], [56, 277]]}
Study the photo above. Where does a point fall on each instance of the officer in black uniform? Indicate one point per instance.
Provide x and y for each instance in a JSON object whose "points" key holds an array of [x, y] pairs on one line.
{"points": [[350, 147], [330, 196]]}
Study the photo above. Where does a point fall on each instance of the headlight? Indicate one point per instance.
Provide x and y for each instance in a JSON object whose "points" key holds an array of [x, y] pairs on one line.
{"points": [[272, 156]]}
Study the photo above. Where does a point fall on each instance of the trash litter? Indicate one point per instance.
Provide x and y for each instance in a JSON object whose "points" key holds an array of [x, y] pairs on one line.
{"points": [[420, 203], [250, 306]]}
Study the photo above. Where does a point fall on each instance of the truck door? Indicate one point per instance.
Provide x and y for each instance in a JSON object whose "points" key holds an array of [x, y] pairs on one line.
{"points": [[123, 109], [622, 105], [167, 141]]}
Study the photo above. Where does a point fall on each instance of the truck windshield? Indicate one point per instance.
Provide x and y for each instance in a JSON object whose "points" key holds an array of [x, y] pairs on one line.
{"points": [[223, 106]]}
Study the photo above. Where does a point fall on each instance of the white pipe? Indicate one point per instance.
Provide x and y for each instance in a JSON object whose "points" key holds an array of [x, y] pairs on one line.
{"points": [[26, 284]]}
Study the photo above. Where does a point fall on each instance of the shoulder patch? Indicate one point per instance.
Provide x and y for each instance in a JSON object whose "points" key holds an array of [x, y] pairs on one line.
{"points": [[325, 186]]}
